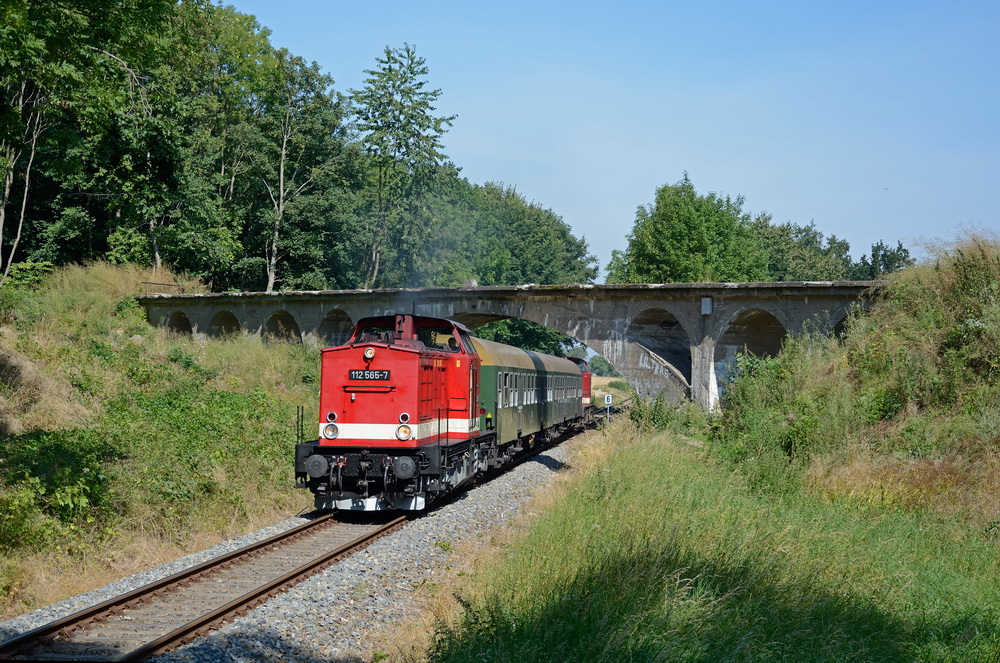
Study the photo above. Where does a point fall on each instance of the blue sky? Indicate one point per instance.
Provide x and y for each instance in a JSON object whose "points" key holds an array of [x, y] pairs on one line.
{"points": [[876, 120]]}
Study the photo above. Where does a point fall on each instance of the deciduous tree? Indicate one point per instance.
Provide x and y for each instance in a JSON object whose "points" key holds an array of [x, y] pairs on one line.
{"points": [[686, 237]]}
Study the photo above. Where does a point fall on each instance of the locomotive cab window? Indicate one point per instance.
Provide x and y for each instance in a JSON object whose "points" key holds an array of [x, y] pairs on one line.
{"points": [[373, 334], [438, 338], [467, 343]]}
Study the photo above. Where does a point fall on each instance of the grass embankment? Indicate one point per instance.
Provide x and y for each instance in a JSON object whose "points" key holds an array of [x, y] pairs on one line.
{"points": [[659, 553], [125, 445], [904, 412], [842, 508]]}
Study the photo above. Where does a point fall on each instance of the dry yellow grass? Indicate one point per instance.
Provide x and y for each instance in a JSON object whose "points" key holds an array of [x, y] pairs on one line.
{"points": [[32, 399], [952, 486], [602, 385]]}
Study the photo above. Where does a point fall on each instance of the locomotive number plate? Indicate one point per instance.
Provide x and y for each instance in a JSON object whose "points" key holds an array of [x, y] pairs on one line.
{"points": [[357, 374]]}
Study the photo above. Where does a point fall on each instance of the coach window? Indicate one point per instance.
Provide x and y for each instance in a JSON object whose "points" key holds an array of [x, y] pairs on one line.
{"points": [[506, 389], [499, 389]]}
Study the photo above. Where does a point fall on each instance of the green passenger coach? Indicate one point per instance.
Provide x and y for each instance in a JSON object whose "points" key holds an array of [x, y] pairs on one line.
{"points": [[522, 392]]}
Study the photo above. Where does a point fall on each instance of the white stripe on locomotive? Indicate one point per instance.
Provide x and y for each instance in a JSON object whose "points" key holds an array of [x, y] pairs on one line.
{"points": [[421, 431]]}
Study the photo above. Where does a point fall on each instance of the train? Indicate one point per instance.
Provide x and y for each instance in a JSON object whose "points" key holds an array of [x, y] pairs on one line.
{"points": [[412, 407]]}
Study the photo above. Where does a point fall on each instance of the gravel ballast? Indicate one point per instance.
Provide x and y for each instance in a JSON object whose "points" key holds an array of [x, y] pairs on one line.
{"points": [[334, 615]]}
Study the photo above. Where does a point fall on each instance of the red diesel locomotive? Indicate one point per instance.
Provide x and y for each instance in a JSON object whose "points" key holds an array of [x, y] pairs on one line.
{"points": [[412, 407]]}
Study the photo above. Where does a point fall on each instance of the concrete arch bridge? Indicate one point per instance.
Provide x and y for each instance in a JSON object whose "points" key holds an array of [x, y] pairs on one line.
{"points": [[677, 339]]}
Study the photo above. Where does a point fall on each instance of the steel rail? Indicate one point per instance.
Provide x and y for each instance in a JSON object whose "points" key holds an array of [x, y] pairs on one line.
{"points": [[177, 636], [65, 626]]}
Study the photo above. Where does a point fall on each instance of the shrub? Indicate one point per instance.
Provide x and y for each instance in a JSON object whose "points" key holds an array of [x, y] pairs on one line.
{"points": [[917, 375]]}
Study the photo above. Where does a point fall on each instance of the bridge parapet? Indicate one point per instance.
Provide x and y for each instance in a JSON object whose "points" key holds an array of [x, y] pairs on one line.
{"points": [[676, 339]]}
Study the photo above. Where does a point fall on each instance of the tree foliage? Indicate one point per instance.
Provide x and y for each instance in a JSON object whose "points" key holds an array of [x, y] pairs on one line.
{"points": [[601, 366], [687, 237], [158, 132], [801, 253], [884, 260], [58, 58], [403, 138], [527, 334]]}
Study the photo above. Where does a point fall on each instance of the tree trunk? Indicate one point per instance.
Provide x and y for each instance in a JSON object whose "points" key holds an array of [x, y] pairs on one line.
{"points": [[36, 130], [279, 212]]}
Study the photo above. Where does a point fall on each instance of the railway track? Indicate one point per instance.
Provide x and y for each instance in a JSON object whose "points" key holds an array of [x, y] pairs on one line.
{"points": [[167, 613], [172, 611]]}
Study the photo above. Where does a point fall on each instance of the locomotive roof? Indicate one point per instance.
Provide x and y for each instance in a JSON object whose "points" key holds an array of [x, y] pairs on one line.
{"points": [[418, 320]]}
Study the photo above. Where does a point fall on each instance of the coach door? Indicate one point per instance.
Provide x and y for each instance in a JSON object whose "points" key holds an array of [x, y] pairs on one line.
{"points": [[519, 401]]}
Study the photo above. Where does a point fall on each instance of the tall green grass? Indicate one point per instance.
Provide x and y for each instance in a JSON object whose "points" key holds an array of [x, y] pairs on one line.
{"points": [[659, 554], [133, 432], [844, 507]]}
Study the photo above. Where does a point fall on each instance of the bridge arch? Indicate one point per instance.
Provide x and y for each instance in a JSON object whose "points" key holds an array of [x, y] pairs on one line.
{"points": [[223, 323], [752, 330], [647, 372], [179, 322], [281, 325], [335, 328], [659, 331]]}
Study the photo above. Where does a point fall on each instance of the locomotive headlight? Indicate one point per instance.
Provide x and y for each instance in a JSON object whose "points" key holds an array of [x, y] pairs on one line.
{"points": [[404, 432], [331, 417], [369, 353], [330, 431]]}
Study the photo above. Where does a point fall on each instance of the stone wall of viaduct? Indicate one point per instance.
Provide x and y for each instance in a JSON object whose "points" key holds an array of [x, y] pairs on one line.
{"points": [[678, 340]]}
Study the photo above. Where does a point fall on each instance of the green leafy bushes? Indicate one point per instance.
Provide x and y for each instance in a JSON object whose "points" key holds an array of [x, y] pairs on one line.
{"points": [[133, 433], [915, 377]]}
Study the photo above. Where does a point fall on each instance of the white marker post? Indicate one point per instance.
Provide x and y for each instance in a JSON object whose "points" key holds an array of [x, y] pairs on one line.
{"points": [[607, 401]]}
